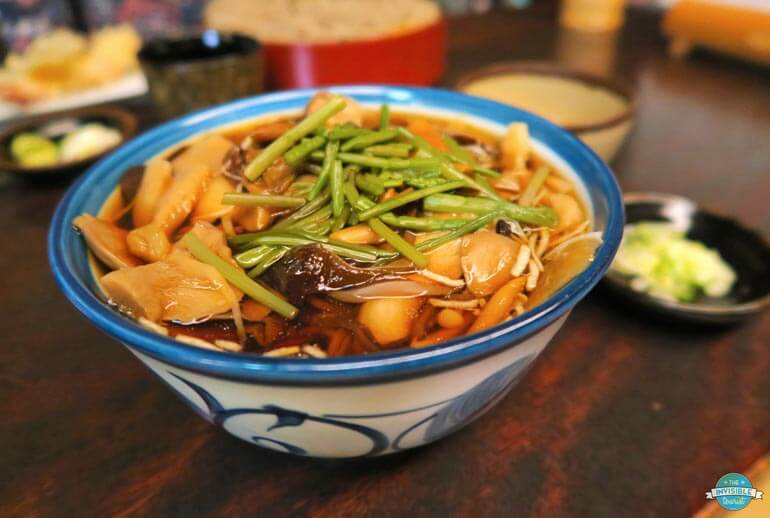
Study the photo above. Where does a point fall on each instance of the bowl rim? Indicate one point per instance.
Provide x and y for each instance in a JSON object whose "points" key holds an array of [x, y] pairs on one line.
{"points": [[122, 120], [548, 68], [688, 308], [383, 367]]}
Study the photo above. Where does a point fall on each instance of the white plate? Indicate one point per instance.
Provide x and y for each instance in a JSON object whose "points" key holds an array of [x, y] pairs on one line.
{"points": [[129, 86]]}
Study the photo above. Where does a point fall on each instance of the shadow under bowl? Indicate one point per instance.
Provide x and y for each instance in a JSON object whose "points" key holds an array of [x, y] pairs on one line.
{"points": [[742, 248]]}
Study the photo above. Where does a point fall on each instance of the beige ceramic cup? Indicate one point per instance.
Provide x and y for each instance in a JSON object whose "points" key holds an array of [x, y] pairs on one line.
{"points": [[604, 132]]}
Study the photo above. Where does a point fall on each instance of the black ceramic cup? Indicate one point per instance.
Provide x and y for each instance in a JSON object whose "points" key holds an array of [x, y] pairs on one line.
{"points": [[186, 74]]}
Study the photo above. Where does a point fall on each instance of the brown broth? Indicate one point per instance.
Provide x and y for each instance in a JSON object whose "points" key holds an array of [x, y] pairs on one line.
{"points": [[320, 322], [332, 325], [565, 264]]}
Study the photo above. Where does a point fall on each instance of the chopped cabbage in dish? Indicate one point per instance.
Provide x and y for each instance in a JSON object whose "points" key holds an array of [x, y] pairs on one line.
{"points": [[664, 263]]}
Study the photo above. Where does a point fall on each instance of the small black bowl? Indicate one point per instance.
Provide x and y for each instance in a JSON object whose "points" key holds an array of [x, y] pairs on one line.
{"points": [[189, 73], [110, 116], [743, 249]]}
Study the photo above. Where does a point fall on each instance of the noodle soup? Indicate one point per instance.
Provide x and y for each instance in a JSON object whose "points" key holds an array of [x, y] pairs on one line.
{"points": [[343, 232]]}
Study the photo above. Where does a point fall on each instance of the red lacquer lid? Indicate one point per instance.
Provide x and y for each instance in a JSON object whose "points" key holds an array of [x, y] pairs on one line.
{"points": [[414, 58]]}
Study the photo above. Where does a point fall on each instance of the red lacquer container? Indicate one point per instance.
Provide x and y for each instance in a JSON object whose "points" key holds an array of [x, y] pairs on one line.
{"points": [[414, 58]]}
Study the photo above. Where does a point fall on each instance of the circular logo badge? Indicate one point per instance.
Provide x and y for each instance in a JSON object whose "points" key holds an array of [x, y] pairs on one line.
{"points": [[733, 502]]}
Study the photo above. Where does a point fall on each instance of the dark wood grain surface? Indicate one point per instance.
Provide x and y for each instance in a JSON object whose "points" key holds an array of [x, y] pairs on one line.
{"points": [[622, 415]]}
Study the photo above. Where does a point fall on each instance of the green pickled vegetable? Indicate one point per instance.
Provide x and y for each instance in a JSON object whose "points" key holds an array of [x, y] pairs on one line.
{"points": [[33, 150], [665, 264], [88, 140]]}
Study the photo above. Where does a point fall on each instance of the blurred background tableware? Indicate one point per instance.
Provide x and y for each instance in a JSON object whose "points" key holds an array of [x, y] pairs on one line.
{"points": [[744, 250], [736, 28], [591, 52], [598, 110], [189, 73], [63, 69], [68, 140], [326, 42], [415, 58], [592, 15]]}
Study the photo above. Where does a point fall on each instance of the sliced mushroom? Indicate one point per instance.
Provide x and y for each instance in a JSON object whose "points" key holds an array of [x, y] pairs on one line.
{"points": [[155, 181], [390, 290], [210, 206], [278, 177], [178, 288], [515, 146], [567, 209], [486, 260], [357, 235], [389, 320], [353, 113], [210, 151], [510, 228], [114, 207], [213, 238], [429, 131], [270, 131], [234, 164], [314, 269], [150, 242], [252, 219], [445, 260], [106, 241], [179, 199], [557, 184]]}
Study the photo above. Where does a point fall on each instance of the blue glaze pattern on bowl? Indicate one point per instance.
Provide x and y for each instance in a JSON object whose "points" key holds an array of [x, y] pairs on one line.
{"points": [[274, 402]]}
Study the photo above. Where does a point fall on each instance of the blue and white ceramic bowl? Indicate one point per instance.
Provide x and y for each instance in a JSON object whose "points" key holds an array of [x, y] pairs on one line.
{"points": [[354, 406]]}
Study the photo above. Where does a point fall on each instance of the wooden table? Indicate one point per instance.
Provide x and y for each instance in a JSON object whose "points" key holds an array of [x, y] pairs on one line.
{"points": [[622, 416]]}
